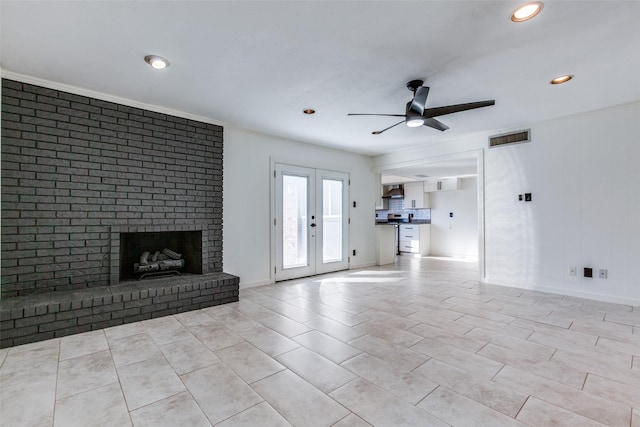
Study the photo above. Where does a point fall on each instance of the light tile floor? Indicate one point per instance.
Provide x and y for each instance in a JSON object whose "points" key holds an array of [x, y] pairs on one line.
{"points": [[418, 343]]}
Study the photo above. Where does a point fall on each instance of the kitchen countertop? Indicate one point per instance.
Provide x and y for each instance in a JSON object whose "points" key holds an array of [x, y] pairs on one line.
{"points": [[418, 222]]}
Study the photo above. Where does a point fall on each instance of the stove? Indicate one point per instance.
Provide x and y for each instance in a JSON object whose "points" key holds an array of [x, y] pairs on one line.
{"points": [[397, 218]]}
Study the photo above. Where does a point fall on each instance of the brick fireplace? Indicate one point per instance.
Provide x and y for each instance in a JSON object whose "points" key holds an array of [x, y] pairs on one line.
{"points": [[79, 174]]}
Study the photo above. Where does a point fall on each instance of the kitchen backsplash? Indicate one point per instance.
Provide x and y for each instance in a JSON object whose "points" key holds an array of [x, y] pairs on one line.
{"points": [[396, 206]]}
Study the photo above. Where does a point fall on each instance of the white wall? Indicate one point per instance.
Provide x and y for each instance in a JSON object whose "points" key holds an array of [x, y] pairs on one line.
{"points": [[455, 236], [584, 175], [248, 191]]}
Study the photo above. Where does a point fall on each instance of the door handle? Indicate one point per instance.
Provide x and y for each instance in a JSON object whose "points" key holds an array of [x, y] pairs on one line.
{"points": [[313, 224]]}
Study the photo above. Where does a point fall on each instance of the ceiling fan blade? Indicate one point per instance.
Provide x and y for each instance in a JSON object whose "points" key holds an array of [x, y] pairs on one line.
{"points": [[378, 132], [419, 100], [388, 115], [449, 109], [436, 124]]}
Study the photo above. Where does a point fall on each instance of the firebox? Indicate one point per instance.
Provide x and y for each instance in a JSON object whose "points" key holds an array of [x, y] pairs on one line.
{"points": [[145, 254]]}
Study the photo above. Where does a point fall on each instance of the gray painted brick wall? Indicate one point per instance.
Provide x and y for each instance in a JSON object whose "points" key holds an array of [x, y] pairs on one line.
{"points": [[73, 167]]}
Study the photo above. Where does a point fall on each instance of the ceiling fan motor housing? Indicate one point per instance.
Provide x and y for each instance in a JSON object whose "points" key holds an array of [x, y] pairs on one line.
{"points": [[413, 85]]}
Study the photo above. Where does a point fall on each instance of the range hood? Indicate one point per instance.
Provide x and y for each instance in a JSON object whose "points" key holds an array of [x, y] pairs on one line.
{"points": [[394, 193]]}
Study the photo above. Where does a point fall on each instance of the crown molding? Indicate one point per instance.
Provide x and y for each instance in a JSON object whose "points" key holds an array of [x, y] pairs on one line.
{"points": [[105, 97]]}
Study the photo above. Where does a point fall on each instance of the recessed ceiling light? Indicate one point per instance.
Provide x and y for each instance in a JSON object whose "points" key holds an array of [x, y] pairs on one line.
{"points": [[561, 79], [309, 111], [157, 62], [526, 11]]}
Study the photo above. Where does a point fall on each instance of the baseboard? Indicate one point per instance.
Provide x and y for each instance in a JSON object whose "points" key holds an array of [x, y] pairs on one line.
{"points": [[247, 285], [578, 294]]}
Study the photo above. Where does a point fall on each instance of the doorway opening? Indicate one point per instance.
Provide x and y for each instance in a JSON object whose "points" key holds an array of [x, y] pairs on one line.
{"points": [[310, 221]]}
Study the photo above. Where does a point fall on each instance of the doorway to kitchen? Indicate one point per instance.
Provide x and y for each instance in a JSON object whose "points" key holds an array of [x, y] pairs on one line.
{"points": [[310, 221], [457, 217]]}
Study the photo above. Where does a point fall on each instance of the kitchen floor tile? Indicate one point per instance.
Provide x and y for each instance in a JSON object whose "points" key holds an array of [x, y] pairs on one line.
{"points": [[269, 341], [317, 370], [99, 407], [399, 357], [352, 420], [613, 391], [298, 401], [410, 387], [456, 409], [178, 410], [536, 412], [472, 363], [85, 373], [188, 355], [82, 344], [491, 394], [148, 381], [28, 385], [219, 392], [548, 369], [132, 349], [381, 408], [331, 348], [262, 415], [580, 402], [215, 336], [335, 329], [165, 330], [248, 362]]}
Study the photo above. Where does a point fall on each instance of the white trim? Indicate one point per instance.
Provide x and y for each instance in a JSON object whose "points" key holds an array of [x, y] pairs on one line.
{"points": [[247, 285], [353, 266], [573, 293], [106, 97]]}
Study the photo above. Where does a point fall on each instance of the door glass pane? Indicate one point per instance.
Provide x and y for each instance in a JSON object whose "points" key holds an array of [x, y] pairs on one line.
{"points": [[331, 220], [294, 221]]}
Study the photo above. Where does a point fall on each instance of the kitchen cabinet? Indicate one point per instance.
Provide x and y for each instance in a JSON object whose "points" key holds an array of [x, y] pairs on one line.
{"points": [[385, 244], [415, 238], [414, 195], [448, 184]]}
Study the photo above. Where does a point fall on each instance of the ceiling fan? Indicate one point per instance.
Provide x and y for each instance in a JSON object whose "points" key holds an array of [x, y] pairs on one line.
{"points": [[416, 115]]}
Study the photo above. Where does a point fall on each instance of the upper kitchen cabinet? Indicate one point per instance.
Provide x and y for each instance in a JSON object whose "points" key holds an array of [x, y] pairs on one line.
{"points": [[447, 184], [414, 196]]}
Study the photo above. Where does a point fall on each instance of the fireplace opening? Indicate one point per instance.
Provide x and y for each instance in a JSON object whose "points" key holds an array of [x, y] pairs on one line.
{"points": [[146, 254]]}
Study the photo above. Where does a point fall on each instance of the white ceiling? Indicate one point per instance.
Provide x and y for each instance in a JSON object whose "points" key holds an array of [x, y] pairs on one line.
{"points": [[258, 64]]}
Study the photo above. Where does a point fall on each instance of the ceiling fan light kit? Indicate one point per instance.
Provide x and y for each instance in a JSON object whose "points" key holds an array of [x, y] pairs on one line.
{"points": [[414, 122], [417, 115]]}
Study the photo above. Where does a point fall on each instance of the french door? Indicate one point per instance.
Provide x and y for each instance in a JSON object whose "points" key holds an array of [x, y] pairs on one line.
{"points": [[311, 221]]}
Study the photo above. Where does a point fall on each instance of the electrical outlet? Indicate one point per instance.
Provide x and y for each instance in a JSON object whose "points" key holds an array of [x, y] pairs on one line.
{"points": [[603, 273], [588, 272], [572, 271]]}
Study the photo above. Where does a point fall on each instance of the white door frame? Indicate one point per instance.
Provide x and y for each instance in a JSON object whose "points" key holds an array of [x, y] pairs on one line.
{"points": [[320, 267]]}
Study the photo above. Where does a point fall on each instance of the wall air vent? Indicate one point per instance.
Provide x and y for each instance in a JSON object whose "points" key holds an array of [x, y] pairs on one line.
{"points": [[510, 138]]}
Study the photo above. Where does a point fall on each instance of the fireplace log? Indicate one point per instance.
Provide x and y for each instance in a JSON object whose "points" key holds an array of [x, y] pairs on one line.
{"points": [[171, 254], [170, 264]]}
